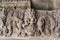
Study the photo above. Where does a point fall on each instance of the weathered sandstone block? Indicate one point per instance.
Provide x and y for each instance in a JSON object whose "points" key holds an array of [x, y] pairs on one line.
{"points": [[20, 20]]}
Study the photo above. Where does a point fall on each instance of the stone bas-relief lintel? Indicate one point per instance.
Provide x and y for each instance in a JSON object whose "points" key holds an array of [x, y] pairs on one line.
{"points": [[23, 22], [29, 23]]}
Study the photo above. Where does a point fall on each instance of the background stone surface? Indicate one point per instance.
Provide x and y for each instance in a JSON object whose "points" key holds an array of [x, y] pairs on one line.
{"points": [[45, 4]]}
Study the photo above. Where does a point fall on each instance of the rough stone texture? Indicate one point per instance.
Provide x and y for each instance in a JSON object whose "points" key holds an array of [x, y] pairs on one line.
{"points": [[19, 20], [48, 22]]}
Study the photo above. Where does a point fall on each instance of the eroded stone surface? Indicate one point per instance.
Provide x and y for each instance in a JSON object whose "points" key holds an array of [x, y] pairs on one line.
{"points": [[22, 21]]}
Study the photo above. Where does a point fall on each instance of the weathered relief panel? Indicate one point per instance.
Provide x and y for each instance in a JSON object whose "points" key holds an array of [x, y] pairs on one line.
{"points": [[12, 18], [19, 21]]}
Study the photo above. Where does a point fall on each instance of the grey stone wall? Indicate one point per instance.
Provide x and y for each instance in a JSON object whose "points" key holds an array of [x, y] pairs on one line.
{"points": [[45, 4]]}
